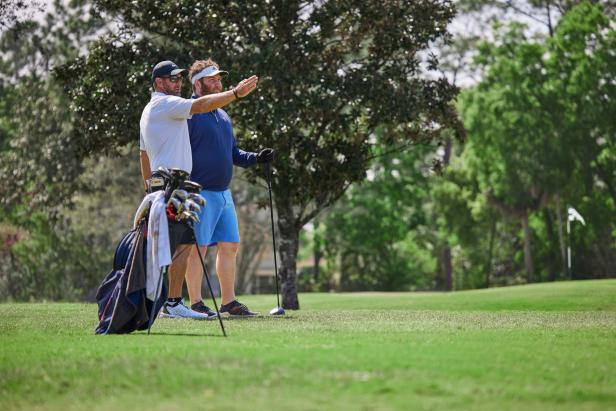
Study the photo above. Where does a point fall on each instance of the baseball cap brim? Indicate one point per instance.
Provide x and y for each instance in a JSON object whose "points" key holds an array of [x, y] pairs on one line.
{"points": [[221, 72], [178, 71]]}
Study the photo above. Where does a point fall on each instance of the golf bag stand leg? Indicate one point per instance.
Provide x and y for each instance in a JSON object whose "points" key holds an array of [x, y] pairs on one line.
{"points": [[209, 285], [153, 312]]}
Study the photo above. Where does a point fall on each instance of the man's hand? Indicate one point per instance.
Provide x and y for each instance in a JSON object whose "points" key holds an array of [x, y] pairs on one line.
{"points": [[245, 87], [265, 156]]}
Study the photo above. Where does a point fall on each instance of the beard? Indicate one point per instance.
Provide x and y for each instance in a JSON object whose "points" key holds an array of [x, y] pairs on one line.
{"points": [[169, 89], [206, 89]]}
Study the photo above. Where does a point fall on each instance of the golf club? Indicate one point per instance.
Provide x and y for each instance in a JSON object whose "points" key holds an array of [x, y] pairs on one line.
{"points": [[179, 174], [180, 194], [191, 186], [142, 212], [177, 204], [197, 199], [207, 280], [192, 206], [278, 310]]}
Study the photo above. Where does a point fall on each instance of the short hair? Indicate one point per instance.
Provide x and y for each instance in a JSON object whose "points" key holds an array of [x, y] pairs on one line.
{"points": [[199, 65]]}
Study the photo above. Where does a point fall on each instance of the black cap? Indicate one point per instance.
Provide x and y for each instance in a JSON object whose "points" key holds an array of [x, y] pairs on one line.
{"points": [[166, 68]]}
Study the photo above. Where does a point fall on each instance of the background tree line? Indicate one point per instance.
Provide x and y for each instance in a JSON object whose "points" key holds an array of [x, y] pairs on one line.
{"points": [[340, 99]]}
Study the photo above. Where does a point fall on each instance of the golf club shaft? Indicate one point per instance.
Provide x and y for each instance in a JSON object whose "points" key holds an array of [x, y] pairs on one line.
{"points": [[269, 188], [209, 286]]}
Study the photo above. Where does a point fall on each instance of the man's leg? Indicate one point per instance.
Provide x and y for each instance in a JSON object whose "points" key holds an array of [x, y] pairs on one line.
{"points": [[178, 269], [174, 307], [194, 274], [225, 268]]}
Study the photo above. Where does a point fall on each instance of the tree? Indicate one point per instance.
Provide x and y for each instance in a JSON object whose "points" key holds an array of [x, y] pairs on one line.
{"points": [[332, 74], [39, 165], [47, 254], [533, 134], [379, 229], [10, 11]]}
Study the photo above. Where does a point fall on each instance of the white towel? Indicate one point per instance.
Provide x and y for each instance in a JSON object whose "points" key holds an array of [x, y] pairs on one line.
{"points": [[159, 248]]}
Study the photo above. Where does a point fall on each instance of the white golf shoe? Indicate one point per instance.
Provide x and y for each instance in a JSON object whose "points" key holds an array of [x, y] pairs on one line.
{"points": [[179, 310]]}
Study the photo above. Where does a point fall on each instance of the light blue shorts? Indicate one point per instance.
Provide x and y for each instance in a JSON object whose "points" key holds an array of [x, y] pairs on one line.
{"points": [[218, 219]]}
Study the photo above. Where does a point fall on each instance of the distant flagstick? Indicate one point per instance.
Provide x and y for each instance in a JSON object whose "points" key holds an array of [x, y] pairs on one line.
{"points": [[572, 215]]}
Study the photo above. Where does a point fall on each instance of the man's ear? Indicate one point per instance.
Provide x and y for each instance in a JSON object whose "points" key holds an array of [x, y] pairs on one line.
{"points": [[196, 87]]}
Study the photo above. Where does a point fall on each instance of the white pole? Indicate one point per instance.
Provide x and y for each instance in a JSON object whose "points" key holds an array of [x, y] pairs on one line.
{"points": [[569, 248]]}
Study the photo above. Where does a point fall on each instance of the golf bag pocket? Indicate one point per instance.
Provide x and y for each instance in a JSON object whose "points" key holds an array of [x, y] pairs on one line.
{"points": [[122, 306], [106, 297]]}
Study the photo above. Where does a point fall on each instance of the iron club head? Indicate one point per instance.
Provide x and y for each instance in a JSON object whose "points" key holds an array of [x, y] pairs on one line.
{"points": [[192, 206], [191, 186], [180, 194], [177, 204], [277, 311], [197, 198]]}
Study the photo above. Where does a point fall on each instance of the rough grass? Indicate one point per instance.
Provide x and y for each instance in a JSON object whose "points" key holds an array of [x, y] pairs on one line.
{"points": [[547, 346]]}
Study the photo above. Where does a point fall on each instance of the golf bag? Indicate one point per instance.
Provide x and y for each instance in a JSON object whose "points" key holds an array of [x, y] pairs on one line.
{"points": [[122, 303], [123, 306]]}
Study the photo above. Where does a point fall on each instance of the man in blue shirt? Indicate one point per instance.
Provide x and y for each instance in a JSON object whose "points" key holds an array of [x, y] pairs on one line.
{"points": [[214, 153], [164, 141]]}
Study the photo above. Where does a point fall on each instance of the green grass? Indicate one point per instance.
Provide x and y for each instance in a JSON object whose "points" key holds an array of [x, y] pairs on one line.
{"points": [[537, 347]]}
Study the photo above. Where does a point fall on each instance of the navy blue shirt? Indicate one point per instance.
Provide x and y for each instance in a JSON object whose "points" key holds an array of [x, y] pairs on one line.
{"points": [[214, 150]]}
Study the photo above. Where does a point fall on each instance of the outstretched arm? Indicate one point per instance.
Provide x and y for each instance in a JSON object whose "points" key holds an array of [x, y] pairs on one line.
{"points": [[211, 102]]}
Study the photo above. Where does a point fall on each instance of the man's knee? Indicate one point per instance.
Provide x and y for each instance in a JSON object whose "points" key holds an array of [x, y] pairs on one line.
{"points": [[228, 248], [194, 255], [181, 255]]}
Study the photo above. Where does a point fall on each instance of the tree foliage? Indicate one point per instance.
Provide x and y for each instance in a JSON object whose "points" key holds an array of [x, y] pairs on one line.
{"points": [[540, 121], [540, 138], [57, 237], [331, 75], [39, 162], [378, 229]]}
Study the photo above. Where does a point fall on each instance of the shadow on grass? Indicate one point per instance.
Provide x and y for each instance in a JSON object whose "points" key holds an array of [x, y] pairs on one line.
{"points": [[257, 318], [174, 334]]}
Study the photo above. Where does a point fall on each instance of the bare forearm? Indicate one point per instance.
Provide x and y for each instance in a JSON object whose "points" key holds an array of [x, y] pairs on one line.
{"points": [[146, 171], [211, 102]]}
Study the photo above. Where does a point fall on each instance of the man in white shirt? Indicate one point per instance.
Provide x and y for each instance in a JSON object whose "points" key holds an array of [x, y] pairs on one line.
{"points": [[164, 142]]}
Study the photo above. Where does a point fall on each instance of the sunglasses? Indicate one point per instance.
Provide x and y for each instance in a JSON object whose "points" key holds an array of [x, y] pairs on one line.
{"points": [[173, 79]]}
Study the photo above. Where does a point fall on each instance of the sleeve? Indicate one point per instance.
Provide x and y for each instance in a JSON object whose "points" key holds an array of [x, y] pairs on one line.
{"points": [[243, 158], [177, 108], [141, 141]]}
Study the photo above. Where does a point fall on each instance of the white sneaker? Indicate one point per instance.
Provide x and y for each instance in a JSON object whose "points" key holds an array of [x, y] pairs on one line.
{"points": [[180, 311]]}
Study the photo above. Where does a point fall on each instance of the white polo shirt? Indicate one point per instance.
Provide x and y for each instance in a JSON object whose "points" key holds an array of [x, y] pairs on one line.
{"points": [[164, 132]]}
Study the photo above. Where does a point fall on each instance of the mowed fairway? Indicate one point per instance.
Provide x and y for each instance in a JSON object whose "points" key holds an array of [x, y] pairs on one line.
{"points": [[536, 347]]}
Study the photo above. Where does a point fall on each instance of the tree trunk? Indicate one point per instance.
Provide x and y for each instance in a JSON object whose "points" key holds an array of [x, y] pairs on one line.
{"points": [[287, 250], [490, 253], [561, 237], [446, 265], [446, 268], [549, 228], [528, 258], [317, 262]]}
